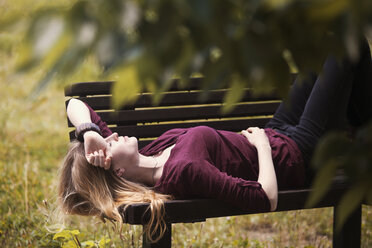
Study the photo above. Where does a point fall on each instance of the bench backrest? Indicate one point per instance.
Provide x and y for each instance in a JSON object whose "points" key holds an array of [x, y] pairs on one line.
{"points": [[180, 107]]}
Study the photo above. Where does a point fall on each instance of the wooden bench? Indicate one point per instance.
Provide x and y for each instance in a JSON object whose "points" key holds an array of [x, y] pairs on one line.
{"points": [[183, 108]]}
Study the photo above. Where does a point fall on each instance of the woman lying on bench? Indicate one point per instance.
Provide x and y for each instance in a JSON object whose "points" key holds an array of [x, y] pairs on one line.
{"points": [[244, 170]]}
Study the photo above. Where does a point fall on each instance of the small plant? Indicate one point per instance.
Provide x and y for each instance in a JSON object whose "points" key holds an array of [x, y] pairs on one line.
{"points": [[70, 239]]}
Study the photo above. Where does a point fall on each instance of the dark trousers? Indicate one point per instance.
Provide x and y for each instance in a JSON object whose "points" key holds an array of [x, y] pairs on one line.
{"points": [[341, 94]]}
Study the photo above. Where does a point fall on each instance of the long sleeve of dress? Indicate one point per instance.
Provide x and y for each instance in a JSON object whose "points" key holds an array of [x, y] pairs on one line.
{"points": [[98, 121], [212, 183]]}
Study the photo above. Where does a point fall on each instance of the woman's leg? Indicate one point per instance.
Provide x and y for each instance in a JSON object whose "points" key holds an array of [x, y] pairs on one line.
{"points": [[290, 110], [360, 104], [328, 100]]}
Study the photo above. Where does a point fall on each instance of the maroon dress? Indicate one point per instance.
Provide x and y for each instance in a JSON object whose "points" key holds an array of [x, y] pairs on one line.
{"points": [[209, 163]]}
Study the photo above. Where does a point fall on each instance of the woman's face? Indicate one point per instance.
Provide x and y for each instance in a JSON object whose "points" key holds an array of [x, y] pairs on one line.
{"points": [[124, 151]]}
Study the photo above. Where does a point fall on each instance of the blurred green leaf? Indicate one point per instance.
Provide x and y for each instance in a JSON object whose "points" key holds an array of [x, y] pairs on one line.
{"points": [[67, 63], [334, 151], [234, 94], [103, 242], [88, 244], [328, 157], [127, 86], [349, 202], [75, 232], [44, 31], [321, 183], [328, 9], [70, 244], [258, 42], [276, 4], [332, 146], [63, 235]]}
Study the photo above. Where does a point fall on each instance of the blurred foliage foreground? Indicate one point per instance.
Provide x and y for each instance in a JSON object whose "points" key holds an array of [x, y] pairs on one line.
{"points": [[143, 44]]}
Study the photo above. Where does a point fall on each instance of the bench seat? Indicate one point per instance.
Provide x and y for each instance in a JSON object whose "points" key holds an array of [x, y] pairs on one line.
{"points": [[198, 210]]}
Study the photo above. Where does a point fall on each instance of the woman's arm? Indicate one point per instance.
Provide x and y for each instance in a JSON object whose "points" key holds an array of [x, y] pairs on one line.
{"points": [[78, 113], [200, 178], [266, 176], [94, 144]]}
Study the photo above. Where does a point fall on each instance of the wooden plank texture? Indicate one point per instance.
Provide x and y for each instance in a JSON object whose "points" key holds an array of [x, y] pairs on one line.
{"points": [[127, 117], [174, 99], [188, 113], [104, 87]]}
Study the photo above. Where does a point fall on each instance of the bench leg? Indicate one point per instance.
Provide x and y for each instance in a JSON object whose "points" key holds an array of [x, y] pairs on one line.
{"points": [[350, 233], [164, 242]]}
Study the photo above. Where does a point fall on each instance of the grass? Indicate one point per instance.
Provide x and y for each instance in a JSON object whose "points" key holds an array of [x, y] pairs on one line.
{"points": [[34, 138]]}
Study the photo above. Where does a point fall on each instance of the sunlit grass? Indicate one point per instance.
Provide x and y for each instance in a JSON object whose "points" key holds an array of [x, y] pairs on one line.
{"points": [[34, 138]]}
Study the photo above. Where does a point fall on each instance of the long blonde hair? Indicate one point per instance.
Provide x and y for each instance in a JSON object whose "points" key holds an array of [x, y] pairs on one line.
{"points": [[89, 190]]}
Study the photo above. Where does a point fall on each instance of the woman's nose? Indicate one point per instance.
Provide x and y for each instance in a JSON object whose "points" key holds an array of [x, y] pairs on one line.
{"points": [[112, 137]]}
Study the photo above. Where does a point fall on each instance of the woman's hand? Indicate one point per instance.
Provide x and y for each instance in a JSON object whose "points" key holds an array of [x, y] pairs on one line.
{"points": [[256, 136], [266, 175], [95, 150]]}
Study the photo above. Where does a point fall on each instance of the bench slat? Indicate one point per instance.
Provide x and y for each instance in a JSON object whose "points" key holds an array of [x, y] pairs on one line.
{"points": [[192, 113], [89, 88], [150, 131], [157, 130], [104, 87], [173, 99], [125, 117]]}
